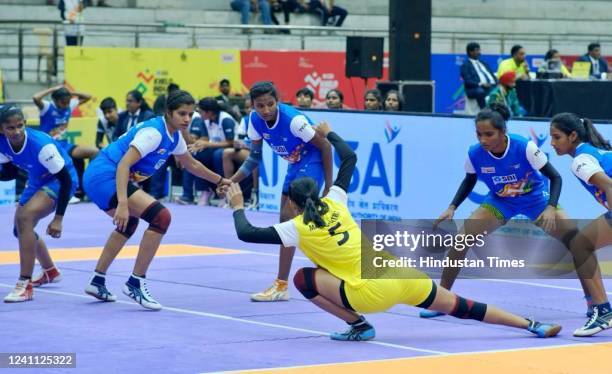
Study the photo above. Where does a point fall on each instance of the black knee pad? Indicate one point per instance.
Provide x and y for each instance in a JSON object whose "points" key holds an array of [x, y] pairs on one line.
{"points": [[469, 309], [130, 227], [304, 281], [158, 217]]}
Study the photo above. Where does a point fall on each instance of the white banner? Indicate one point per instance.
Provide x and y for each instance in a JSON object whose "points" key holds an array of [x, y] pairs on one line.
{"points": [[410, 167]]}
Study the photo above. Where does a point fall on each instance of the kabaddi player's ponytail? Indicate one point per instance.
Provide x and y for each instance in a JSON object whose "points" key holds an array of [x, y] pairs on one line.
{"points": [[495, 113], [304, 192], [584, 128]]}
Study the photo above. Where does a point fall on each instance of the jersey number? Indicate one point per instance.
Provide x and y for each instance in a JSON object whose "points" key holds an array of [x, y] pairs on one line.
{"points": [[345, 235]]}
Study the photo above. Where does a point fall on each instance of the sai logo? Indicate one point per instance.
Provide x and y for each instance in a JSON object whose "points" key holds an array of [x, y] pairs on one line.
{"points": [[391, 131]]}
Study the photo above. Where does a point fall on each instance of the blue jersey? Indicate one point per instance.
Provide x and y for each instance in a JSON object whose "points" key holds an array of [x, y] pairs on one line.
{"points": [[154, 143], [515, 174], [289, 137], [54, 121], [588, 161], [40, 157]]}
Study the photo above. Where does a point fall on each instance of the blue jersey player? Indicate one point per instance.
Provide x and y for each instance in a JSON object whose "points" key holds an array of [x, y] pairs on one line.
{"points": [[109, 182], [592, 165], [51, 182], [512, 167], [54, 118], [291, 135]]}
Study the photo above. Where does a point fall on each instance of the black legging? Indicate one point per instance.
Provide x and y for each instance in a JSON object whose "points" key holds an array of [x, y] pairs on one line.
{"points": [[318, 7]]}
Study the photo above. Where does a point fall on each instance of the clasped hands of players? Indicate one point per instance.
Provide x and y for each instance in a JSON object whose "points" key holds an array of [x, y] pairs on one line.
{"points": [[233, 193]]}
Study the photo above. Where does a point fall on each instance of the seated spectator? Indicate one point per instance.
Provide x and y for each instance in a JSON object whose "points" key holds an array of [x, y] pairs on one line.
{"points": [[303, 98], [394, 101], [255, 6], [287, 7], [516, 63], [207, 147], [505, 93], [599, 65], [234, 157], [137, 110], [553, 66], [373, 100], [478, 78], [159, 106], [331, 14], [227, 100], [334, 99], [107, 122]]}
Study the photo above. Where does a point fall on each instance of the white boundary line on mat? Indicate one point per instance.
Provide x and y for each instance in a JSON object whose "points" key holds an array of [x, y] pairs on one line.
{"points": [[241, 320]]}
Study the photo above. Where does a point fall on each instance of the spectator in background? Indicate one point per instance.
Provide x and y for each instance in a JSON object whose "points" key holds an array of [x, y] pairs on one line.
{"points": [[373, 100], [234, 157], [303, 98], [159, 106], [71, 12], [108, 122], [334, 99], [599, 64], [54, 120], [394, 101], [287, 7], [226, 99], [216, 135], [516, 63], [505, 93], [331, 14], [478, 78], [255, 6], [553, 63], [225, 89], [137, 110]]}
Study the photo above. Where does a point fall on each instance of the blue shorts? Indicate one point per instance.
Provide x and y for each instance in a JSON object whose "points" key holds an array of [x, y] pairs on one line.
{"points": [[51, 188], [313, 170], [99, 181], [506, 208]]}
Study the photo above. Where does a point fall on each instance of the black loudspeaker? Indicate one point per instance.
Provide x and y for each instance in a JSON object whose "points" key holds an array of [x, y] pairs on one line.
{"points": [[409, 40], [364, 57]]}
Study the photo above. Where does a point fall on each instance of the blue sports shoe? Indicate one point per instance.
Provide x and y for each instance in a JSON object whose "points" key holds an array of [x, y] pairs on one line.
{"points": [[429, 313], [136, 289], [97, 288], [543, 330], [597, 323], [355, 334]]}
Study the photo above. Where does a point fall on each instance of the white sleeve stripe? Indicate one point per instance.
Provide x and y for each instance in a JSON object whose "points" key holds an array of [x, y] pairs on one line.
{"points": [[50, 158], [537, 159], [301, 128], [585, 166], [469, 167]]}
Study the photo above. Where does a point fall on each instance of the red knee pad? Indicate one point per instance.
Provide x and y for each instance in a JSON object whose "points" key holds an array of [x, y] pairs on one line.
{"points": [[158, 217], [304, 281]]}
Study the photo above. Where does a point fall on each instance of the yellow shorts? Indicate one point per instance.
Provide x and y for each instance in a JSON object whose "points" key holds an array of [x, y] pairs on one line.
{"points": [[379, 295]]}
